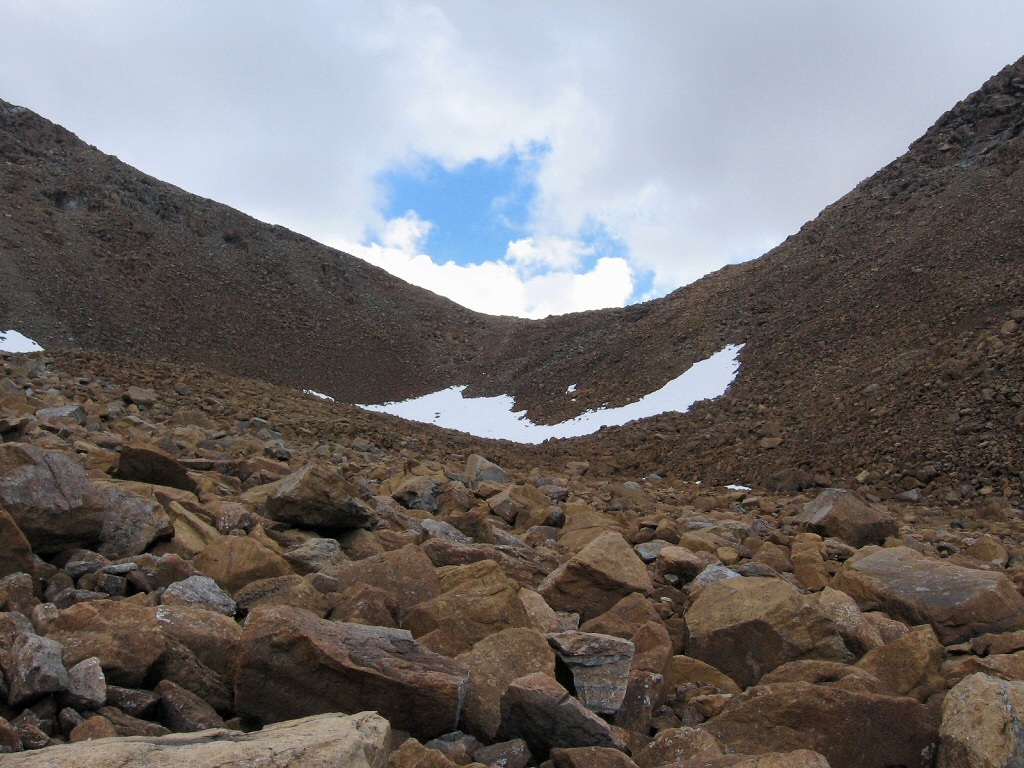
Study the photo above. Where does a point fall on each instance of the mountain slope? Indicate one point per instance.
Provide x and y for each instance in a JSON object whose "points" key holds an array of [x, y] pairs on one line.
{"points": [[881, 340]]}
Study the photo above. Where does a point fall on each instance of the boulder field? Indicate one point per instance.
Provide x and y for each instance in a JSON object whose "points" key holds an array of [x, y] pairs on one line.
{"points": [[189, 576]]}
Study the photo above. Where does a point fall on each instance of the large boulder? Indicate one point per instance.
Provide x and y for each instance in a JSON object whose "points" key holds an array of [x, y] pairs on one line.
{"points": [[145, 464], [851, 729], [292, 664], [235, 561], [211, 637], [36, 669], [749, 626], [596, 578], [538, 710], [406, 575], [124, 636], [132, 522], [982, 724], [477, 600], [599, 666], [318, 497], [50, 498], [357, 741], [494, 663], [909, 666], [959, 603], [844, 515]]}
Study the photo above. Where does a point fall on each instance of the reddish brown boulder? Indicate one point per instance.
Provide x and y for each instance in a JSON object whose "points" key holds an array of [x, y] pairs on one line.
{"points": [[910, 666], [319, 498], [405, 574], [235, 561], [852, 730], [749, 626], [15, 551], [959, 603], [844, 515], [124, 636], [292, 664], [50, 498], [494, 663], [596, 578], [477, 600]]}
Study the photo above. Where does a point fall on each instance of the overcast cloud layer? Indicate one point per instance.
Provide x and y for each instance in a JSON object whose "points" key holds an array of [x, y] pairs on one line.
{"points": [[695, 134]]}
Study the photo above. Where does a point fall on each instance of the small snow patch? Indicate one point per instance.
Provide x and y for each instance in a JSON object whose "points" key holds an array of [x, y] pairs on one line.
{"points": [[739, 487], [12, 341], [570, 389], [321, 395], [493, 417]]}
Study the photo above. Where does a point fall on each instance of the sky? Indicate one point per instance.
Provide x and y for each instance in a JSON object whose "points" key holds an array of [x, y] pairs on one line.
{"points": [[523, 158]]}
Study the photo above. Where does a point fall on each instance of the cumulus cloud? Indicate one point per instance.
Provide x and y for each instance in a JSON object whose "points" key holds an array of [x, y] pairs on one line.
{"points": [[532, 281], [693, 134]]}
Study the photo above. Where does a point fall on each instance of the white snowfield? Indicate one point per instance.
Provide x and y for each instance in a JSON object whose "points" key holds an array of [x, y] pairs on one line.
{"points": [[493, 417], [12, 341]]}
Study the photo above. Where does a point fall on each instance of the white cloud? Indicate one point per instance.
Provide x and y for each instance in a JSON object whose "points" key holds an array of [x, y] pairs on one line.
{"points": [[533, 281]]}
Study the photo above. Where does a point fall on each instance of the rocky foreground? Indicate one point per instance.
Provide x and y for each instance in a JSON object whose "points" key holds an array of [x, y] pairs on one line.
{"points": [[188, 581]]}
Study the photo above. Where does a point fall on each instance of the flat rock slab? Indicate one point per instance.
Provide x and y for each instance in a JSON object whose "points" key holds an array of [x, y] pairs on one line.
{"points": [[599, 665], [959, 603], [292, 664], [324, 741]]}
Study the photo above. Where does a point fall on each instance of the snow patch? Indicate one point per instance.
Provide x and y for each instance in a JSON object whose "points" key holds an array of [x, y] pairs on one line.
{"points": [[739, 487], [493, 417], [12, 341], [570, 389], [321, 395]]}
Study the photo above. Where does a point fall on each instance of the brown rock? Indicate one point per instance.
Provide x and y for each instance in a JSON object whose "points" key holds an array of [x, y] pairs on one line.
{"points": [[212, 637], [844, 515], [406, 575], [624, 618], [1004, 666], [541, 614], [15, 551], [981, 724], [538, 710], [652, 648], [319, 498], [49, 497], [96, 727], [179, 665], [282, 590], [145, 464], [591, 757], [857, 631], [829, 673], [9, 739], [959, 603], [362, 604], [184, 712], [477, 600], [412, 754], [852, 730], [293, 664], [357, 741], [124, 636], [748, 626], [676, 745], [680, 562], [598, 576], [235, 561], [494, 662], [684, 670], [128, 725], [910, 666], [132, 522]]}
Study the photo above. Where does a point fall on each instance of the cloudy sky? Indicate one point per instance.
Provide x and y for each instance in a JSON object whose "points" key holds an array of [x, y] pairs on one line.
{"points": [[519, 157]]}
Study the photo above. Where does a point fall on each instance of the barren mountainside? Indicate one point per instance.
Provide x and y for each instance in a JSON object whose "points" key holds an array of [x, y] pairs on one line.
{"points": [[881, 340]]}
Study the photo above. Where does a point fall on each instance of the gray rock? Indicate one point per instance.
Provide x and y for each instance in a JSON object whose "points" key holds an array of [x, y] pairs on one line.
{"points": [[202, 592], [599, 665], [87, 686], [37, 668]]}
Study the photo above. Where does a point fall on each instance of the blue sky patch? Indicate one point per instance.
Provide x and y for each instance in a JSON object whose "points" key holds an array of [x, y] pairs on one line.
{"points": [[475, 209]]}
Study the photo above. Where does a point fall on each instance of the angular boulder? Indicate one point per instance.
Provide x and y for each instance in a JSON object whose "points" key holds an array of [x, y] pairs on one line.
{"points": [[319, 498], [494, 663], [124, 636], [749, 626], [36, 669], [959, 603], [477, 600], [354, 741], [132, 522], [844, 515], [15, 551], [292, 664], [982, 724], [50, 498], [406, 575], [235, 561], [851, 729], [538, 710], [596, 578]]}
